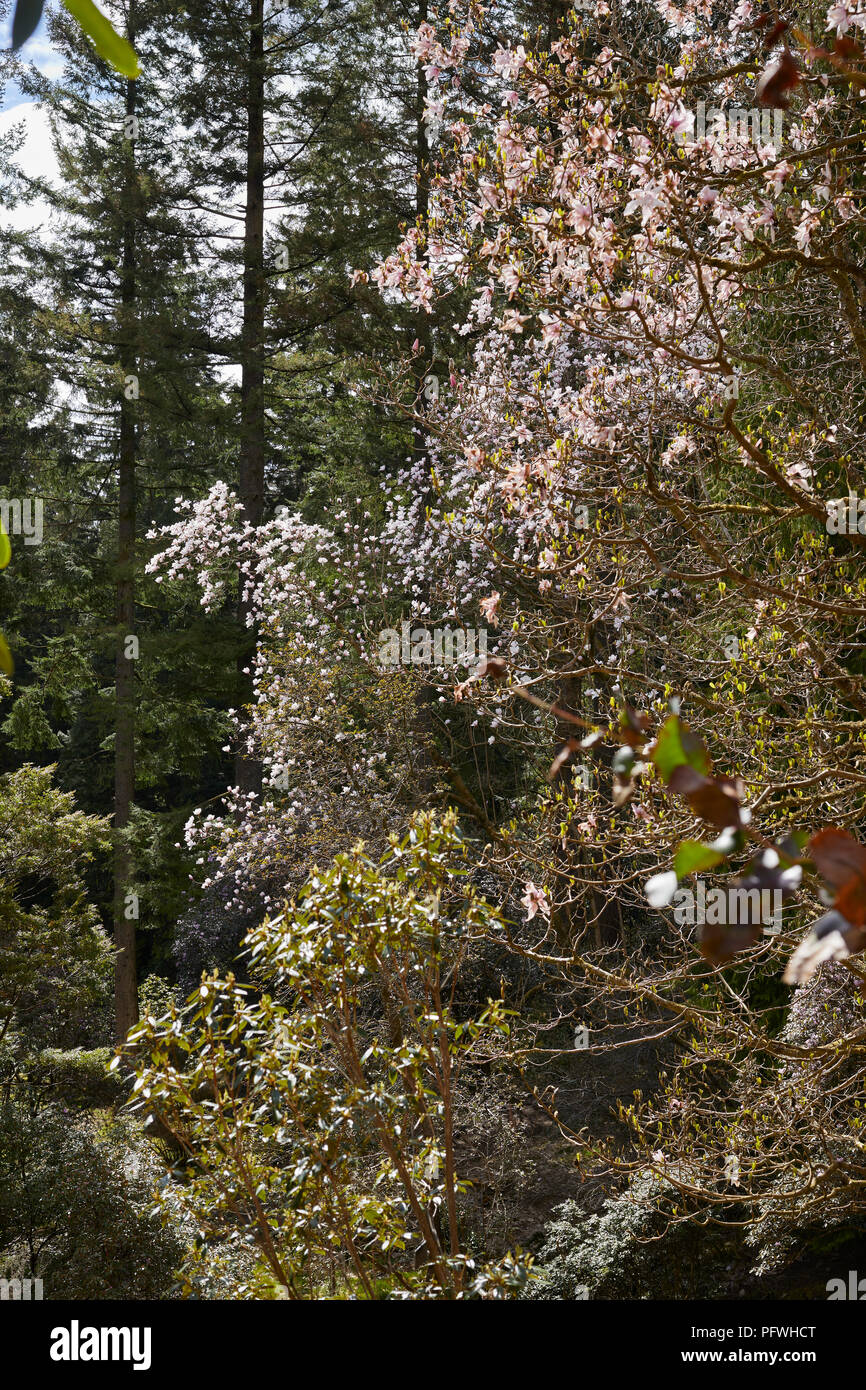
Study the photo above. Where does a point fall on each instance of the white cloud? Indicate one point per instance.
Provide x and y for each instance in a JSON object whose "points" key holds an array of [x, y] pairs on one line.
{"points": [[35, 156]]}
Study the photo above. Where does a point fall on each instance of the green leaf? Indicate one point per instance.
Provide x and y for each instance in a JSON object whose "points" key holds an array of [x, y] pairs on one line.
{"points": [[677, 747], [108, 43], [5, 548], [7, 665], [695, 751], [27, 16], [693, 857], [669, 753]]}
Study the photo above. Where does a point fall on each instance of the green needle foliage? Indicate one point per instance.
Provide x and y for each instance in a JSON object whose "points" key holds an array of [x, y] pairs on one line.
{"points": [[107, 42]]}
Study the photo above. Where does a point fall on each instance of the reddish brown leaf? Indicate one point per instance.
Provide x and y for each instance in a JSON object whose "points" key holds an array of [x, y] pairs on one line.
{"points": [[716, 805], [847, 48], [772, 37], [851, 901], [634, 727], [720, 942], [781, 77], [714, 799], [494, 667], [837, 856], [686, 780]]}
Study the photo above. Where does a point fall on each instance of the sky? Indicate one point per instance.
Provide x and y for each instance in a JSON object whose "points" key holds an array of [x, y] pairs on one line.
{"points": [[35, 155]]}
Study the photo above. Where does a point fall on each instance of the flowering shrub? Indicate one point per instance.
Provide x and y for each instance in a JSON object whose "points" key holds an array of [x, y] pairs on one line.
{"points": [[315, 1119]]}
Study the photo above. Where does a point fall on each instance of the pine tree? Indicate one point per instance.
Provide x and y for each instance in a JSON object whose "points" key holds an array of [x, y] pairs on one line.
{"points": [[127, 328]]}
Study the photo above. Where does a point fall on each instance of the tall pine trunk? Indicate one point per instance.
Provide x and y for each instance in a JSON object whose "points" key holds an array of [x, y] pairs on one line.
{"points": [[248, 773], [125, 978], [423, 361]]}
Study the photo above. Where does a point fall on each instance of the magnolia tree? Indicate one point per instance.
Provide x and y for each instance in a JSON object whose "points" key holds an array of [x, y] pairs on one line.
{"points": [[643, 484], [657, 451], [330, 727]]}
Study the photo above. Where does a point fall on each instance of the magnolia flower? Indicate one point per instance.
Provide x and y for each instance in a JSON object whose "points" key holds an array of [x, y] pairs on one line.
{"points": [[839, 17], [598, 138], [490, 607], [534, 900], [776, 177], [580, 217], [509, 61], [680, 121], [646, 200], [512, 322], [660, 889], [433, 112], [424, 41], [808, 222], [510, 277], [551, 328]]}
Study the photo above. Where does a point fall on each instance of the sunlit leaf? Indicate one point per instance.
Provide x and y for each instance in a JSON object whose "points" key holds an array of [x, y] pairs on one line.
{"points": [[676, 746], [108, 43], [668, 753], [692, 857], [7, 665], [5, 548]]}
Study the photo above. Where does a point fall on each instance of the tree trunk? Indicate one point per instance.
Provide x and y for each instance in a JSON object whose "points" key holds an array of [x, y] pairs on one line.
{"points": [[248, 773], [125, 978], [423, 360]]}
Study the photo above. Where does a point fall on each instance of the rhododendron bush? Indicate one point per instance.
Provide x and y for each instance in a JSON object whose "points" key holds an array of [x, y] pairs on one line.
{"points": [[310, 1137], [643, 265]]}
